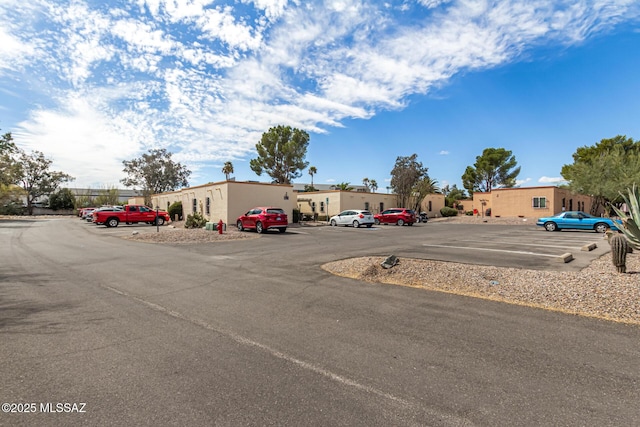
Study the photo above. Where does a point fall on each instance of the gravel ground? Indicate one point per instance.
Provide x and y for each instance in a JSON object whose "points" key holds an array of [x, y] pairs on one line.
{"points": [[596, 291]]}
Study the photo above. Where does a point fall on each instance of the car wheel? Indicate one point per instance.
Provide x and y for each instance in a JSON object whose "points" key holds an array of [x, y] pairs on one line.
{"points": [[159, 220], [112, 222], [239, 225], [333, 223], [282, 229], [259, 228], [601, 227], [400, 222], [356, 224], [550, 226], [377, 221]]}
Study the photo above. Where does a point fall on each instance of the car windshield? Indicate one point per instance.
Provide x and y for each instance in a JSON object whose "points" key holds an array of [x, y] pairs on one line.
{"points": [[275, 211], [365, 213]]}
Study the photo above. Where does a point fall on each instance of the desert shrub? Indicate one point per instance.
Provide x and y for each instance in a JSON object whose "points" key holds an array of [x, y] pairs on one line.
{"points": [[448, 211], [175, 209], [195, 221]]}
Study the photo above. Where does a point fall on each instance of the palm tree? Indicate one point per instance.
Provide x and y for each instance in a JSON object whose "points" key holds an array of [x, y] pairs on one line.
{"points": [[373, 185], [366, 183], [344, 186], [227, 169], [312, 171]]}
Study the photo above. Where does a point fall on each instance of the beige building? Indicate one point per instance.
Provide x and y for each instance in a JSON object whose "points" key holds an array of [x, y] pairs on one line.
{"points": [[528, 202], [332, 202], [227, 200]]}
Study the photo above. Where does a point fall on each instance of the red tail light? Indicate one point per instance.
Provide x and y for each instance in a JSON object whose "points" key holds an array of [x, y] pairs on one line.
{"points": [[361, 216]]}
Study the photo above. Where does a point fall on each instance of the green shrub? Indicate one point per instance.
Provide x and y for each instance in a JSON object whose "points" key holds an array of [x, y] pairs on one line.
{"points": [[448, 211], [469, 213], [195, 221], [175, 209]]}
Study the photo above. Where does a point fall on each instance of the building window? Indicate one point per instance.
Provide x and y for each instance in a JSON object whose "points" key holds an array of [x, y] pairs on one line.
{"points": [[540, 202], [381, 207], [570, 204], [321, 206], [366, 206], [208, 205], [430, 206], [313, 206], [195, 205]]}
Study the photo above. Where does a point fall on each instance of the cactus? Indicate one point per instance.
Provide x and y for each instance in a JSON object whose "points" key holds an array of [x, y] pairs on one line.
{"points": [[631, 222], [619, 249]]}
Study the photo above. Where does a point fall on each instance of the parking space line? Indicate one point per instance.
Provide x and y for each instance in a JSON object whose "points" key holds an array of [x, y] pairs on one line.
{"points": [[530, 244], [492, 250]]}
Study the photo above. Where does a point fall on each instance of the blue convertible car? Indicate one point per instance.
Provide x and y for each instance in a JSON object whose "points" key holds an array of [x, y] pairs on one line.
{"points": [[577, 220]]}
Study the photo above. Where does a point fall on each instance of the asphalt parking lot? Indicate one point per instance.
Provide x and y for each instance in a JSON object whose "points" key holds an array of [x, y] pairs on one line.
{"points": [[520, 246]]}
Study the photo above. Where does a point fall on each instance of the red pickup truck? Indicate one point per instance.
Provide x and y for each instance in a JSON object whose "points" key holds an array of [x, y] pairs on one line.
{"points": [[132, 214]]}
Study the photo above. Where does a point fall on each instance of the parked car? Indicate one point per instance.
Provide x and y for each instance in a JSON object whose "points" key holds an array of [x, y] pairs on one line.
{"points": [[577, 220], [398, 216], [355, 217], [131, 214], [83, 212], [89, 217], [263, 218]]}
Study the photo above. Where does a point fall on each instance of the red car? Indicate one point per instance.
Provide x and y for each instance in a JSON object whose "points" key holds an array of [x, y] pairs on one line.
{"points": [[262, 219], [399, 216]]}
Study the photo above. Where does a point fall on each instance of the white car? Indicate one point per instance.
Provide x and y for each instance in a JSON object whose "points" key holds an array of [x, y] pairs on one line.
{"points": [[355, 217]]}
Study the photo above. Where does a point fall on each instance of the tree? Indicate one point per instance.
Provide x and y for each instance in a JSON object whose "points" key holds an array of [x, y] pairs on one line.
{"points": [[373, 184], [156, 173], [366, 183], [62, 199], [423, 187], [344, 186], [452, 195], [227, 169], [406, 173], [108, 196], [8, 162], [34, 176], [281, 154], [312, 172], [496, 167], [603, 169]]}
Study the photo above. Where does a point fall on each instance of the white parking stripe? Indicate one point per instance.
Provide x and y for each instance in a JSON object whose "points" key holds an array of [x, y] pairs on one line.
{"points": [[544, 245], [491, 250]]}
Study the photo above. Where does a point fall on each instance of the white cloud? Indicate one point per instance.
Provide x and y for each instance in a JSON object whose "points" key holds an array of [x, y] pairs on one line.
{"points": [[551, 180], [444, 153], [205, 79], [520, 182]]}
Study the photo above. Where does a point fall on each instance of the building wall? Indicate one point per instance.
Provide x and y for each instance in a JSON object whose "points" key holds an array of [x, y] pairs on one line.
{"points": [[519, 202], [341, 200], [227, 200], [432, 204]]}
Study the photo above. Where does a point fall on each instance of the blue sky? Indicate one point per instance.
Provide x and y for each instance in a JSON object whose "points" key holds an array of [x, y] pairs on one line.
{"points": [[93, 83]]}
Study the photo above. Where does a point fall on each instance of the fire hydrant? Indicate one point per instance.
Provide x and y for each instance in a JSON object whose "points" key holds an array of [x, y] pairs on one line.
{"points": [[220, 225]]}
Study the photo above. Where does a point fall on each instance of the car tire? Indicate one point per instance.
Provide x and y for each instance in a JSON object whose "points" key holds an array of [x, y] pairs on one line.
{"points": [[239, 225], [550, 226], [259, 227], [282, 229], [400, 222], [601, 228], [112, 222], [333, 223], [159, 221], [377, 221], [356, 224]]}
